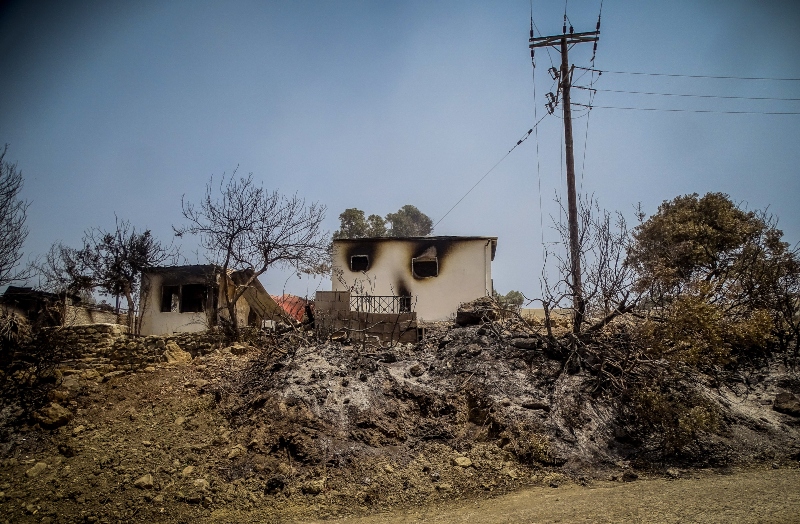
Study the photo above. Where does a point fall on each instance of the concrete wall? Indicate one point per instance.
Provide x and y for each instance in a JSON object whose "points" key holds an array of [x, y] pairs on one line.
{"points": [[332, 316], [81, 316], [156, 322], [464, 271]]}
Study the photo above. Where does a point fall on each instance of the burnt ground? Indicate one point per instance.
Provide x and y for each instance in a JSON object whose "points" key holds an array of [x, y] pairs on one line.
{"points": [[319, 430]]}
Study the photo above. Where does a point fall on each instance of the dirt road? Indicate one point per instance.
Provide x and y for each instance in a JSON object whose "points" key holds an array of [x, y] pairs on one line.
{"points": [[755, 495]]}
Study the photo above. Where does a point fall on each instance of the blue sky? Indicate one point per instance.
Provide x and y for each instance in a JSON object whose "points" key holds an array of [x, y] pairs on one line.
{"points": [[123, 108]]}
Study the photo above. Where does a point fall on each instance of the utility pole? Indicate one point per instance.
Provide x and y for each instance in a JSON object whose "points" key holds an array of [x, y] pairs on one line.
{"points": [[562, 44]]}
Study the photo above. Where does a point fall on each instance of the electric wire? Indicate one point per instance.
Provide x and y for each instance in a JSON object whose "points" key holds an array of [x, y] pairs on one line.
{"points": [[536, 140], [601, 71], [693, 110], [520, 141], [689, 95], [586, 135]]}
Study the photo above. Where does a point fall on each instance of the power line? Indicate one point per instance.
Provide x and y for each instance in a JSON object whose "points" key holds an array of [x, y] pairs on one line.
{"points": [[520, 141], [692, 110], [690, 95], [601, 71]]}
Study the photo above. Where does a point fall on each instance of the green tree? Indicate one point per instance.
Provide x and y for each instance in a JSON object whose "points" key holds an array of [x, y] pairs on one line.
{"points": [[514, 298], [376, 226], [354, 225], [409, 221], [717, 279]]}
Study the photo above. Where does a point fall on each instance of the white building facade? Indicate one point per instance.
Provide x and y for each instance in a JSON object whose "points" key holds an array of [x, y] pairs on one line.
{"points": [[431, 275]]}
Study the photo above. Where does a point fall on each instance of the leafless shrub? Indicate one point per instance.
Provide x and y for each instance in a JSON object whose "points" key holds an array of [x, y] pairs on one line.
{"points": [[13, 212], [243, 226]]}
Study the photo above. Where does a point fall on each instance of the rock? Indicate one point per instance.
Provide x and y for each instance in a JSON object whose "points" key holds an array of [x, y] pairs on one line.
{"points": [[462, 462], [313, 487], [112, 374], [173, 354], [673, 473], [536, 404], [179, 421], [149, 369], [53, 416], [526, 343], [509, 472], [236, 451], [187, 471], [239, 349], [36, 470], [144, 482], [787, 403], [77, 430], [444, 487], [416, 370], [629, 476], [90, 374], [477, 311], [202, 484]]}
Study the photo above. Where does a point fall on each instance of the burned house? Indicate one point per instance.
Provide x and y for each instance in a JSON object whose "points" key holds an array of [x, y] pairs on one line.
{"points": [[181, 299], [429, 275], [45, 309]]}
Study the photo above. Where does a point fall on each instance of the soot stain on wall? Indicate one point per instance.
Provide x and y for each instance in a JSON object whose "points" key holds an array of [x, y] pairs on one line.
{"points": [[444, 248], [368, 249], [374, 250]]}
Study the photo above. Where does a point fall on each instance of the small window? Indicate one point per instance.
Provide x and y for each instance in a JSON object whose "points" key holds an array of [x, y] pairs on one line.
{"points": [[425, 267], [193, 298], [170, 299], [359, 263]]}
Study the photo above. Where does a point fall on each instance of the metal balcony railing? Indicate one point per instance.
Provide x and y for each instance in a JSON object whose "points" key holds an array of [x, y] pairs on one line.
{"points": [[382, 304]]}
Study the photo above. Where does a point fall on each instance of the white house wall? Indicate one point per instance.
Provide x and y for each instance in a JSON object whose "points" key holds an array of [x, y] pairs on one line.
{"points": [[464, 271], [156, 322]]}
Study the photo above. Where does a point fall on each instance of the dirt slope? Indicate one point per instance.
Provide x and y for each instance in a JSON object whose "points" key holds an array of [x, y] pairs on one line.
{"points": [[320, 430]]}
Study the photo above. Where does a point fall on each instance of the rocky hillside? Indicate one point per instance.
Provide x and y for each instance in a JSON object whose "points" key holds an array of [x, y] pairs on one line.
{"points": [[302, 428]]}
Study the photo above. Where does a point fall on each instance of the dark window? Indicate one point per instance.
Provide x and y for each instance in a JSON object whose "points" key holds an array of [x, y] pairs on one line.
{"points": [[359, 263], [170, 299], [193, 298], [425, 267]]}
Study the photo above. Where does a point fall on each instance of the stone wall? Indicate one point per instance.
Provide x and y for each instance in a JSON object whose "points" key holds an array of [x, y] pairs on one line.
{"points": [[109, 347]]}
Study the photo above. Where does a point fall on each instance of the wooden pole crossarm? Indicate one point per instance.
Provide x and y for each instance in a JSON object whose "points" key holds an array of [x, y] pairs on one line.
{"points": [[574, 38]]}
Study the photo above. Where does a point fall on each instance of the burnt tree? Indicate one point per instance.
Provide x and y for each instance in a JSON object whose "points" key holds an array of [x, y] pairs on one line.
{"points": [[243, 226], [12, 221]]}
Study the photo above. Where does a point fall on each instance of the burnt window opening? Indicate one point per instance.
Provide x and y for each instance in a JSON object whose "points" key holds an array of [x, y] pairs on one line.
{"points": [[189, 298], [170, 299], [359, 263], [193, 298], [425, 267]]}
